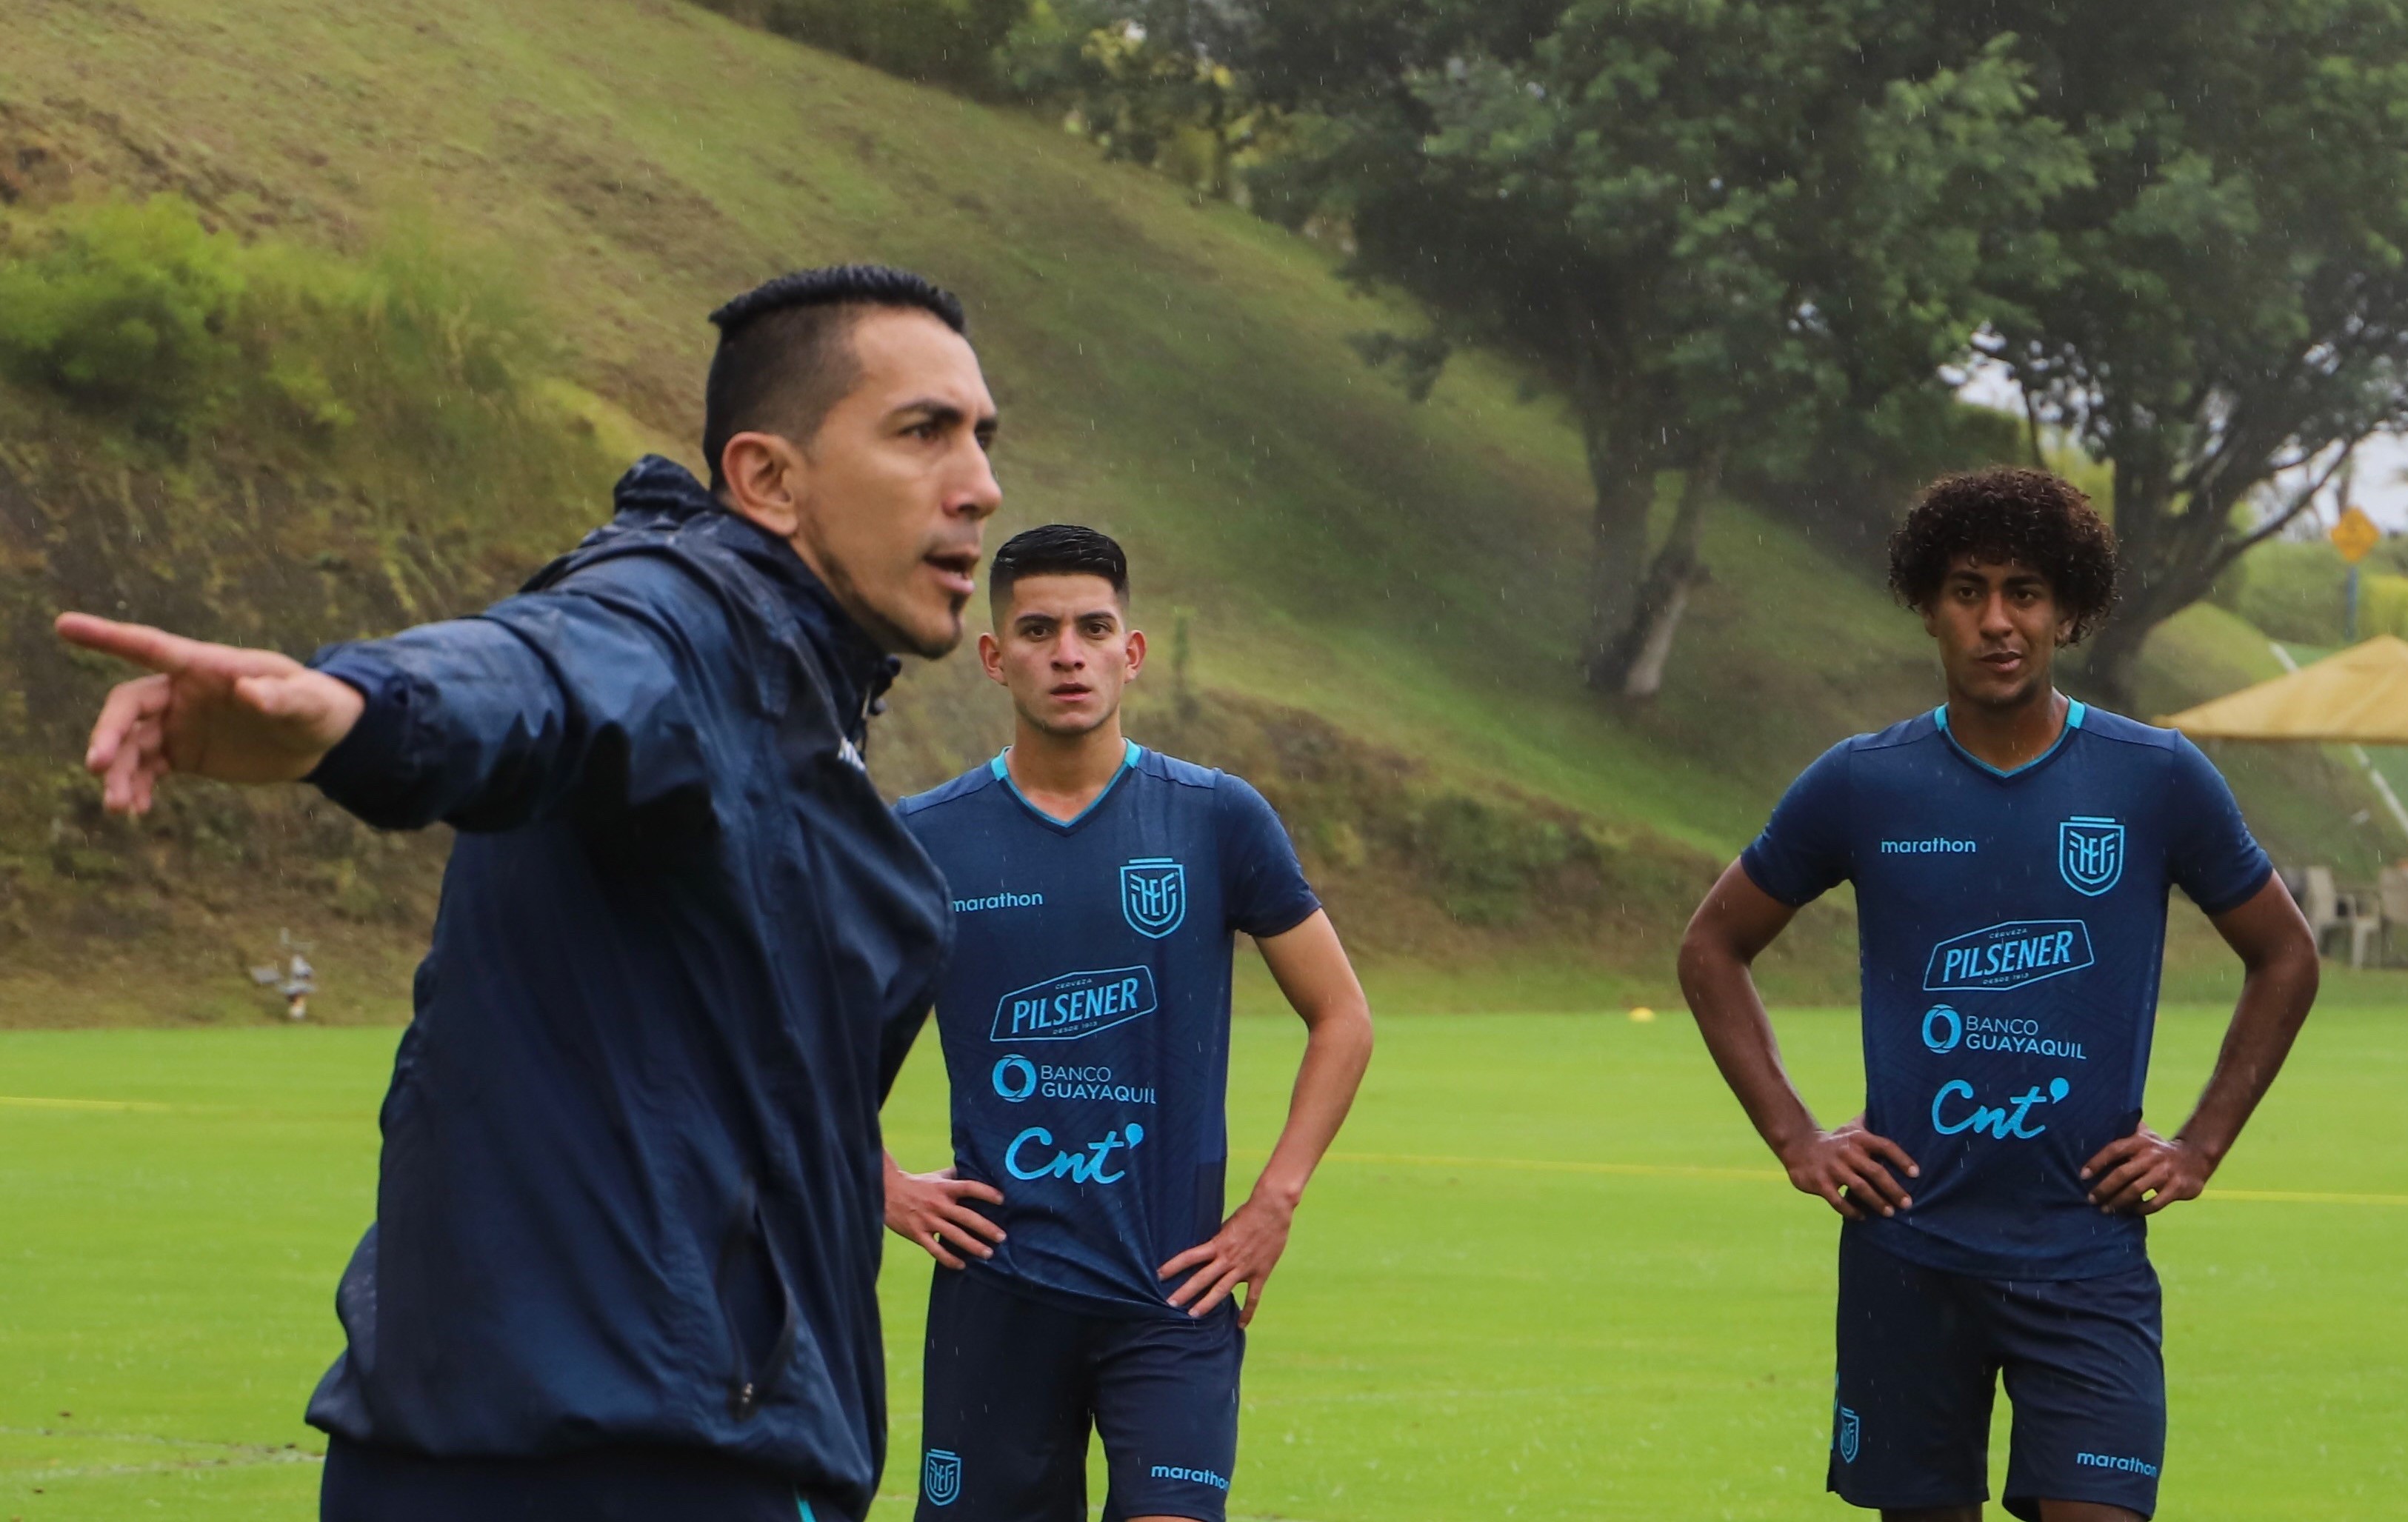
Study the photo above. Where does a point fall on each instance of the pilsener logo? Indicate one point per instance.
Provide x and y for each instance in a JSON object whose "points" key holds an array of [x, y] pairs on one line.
{"points": [[2009, 955], [1074, 1005]]}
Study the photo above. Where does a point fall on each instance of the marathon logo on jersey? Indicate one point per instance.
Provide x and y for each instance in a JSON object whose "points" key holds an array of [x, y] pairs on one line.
{"points": [[940, 1476], [1193, 1476], [1938, 845], [1006, 899], [1153, 896], [2008, 955], [2090, 854], [1074, 1005]]}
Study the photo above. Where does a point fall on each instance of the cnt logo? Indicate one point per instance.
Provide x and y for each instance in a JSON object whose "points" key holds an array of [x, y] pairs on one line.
{"points": [[940, 1476]]}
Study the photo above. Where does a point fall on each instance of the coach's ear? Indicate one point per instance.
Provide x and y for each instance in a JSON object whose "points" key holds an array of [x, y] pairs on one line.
{"points": [[764, 476]]}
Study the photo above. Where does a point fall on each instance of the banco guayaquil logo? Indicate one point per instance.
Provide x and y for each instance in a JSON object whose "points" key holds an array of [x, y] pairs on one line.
{"points": [[2090, 854], [941, 1476], [1153, 896]]}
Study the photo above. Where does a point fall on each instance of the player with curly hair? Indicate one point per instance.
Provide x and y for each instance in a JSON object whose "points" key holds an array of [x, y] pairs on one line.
{"points": [[2011, 852]]}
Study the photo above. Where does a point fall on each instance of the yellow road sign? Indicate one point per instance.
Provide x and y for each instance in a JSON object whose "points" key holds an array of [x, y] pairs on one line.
{"points": [[2356, 535]]}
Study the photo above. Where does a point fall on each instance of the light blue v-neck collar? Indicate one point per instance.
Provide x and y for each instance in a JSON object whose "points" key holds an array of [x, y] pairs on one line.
{"points": [[1002, 771], [2076, 712]]}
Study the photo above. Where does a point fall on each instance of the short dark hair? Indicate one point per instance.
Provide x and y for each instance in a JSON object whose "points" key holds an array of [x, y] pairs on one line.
{"points": [[1057, 550], [2008, 514], [783, 357]]}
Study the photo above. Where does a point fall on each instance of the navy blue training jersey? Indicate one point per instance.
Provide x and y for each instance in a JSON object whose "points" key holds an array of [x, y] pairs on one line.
{"points": [[1085, 1016], [2011, 930]]}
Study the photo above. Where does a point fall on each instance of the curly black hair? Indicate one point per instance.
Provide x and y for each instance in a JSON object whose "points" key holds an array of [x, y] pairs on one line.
{"points": [[2008, 514]]}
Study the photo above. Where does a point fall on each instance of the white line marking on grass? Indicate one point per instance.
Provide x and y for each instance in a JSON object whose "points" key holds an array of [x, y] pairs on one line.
{"points": [[2299, 1196], [1765, 1175], [1564, 1165], [37, 1102], [187, 1465]]}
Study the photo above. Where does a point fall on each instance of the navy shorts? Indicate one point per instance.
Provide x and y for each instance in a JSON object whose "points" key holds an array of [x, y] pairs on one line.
{"points": [[363, 1483], [1921, 1352], [1013, 1384]]}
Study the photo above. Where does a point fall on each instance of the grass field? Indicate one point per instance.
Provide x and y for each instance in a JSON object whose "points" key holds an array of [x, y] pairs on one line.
{"points": [[1548, 1274]]}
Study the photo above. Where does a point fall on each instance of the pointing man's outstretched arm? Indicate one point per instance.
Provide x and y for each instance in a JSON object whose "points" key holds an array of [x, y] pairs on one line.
{"points": [[485, 723]]}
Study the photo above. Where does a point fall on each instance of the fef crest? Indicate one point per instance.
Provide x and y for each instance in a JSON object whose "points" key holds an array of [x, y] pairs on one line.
{"points": [[940, 1476], [2090, 854], [1153, 896], [1850, 1435]]}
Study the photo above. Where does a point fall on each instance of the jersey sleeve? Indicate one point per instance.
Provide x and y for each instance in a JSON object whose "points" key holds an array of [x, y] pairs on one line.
{"points": [[2210, 853], [1263, 884], [1803, 851]]}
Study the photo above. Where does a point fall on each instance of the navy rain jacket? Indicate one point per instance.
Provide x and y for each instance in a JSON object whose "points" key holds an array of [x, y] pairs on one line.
{"points": [[630, 1190]]}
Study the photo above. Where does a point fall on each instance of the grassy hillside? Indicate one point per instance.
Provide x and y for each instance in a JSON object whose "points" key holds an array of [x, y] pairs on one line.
{"points": [[1381, 598]]}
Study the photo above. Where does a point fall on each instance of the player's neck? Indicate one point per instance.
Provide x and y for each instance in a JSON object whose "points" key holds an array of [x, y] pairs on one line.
{"points": [[1064, 775], [2010, 736]]}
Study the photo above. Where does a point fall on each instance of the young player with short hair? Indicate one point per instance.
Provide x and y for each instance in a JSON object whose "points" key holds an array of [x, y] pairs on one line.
{"points": [[1085, 1270], [2011, 852]]}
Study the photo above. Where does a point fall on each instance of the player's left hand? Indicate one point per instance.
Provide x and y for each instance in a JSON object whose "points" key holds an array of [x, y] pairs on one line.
{"points": [[1243, 1252], [2143, 1173]]}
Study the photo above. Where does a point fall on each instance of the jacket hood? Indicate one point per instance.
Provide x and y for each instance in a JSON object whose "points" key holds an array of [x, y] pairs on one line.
{"points": [[662, 509]]}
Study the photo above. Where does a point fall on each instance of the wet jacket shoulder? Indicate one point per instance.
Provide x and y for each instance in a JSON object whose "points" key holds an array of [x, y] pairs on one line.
{"points": [[630, 1182]]}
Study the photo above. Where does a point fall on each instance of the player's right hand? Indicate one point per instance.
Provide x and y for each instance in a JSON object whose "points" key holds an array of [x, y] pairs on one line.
{"points": [[208, 710], [932, 1210], [1849, 1166]]}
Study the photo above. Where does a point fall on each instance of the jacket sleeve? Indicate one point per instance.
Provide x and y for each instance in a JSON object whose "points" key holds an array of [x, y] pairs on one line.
{"points": [[597, 696]]}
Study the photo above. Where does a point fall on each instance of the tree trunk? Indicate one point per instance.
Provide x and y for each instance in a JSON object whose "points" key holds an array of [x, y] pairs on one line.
{"points": [[1618, 559], [2167, 561], [1635, 662], [1622, 471]]}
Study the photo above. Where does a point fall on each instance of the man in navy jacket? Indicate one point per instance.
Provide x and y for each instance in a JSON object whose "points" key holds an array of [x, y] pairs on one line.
{"points": [[625, 1252]]}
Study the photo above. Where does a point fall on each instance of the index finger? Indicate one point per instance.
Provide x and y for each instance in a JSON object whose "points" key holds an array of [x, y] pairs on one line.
{"points": [[1891, 1153], [2111, 1154], [973, 1189], [1203, 1252], [141, 644]]}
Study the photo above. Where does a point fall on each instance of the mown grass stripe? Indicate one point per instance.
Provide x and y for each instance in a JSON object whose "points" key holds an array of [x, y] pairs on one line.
{"points": [[1764, 1175], [29, 1101]]}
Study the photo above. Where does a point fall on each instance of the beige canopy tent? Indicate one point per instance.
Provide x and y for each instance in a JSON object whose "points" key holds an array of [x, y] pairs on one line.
{"points": [[2358, 697]]}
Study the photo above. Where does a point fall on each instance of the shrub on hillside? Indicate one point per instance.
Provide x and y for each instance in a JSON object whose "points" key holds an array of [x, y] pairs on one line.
{"points": [[2298, 592], [122, 309], [412, 370]]}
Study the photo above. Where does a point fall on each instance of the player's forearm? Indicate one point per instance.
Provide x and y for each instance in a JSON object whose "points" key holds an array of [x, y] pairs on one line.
{"points": [[1335, 1055], [2275, 998], [1730, 1016]]}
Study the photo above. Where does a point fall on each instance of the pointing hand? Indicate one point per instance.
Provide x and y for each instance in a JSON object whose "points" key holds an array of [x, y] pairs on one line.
{"points": [[207, 710]]}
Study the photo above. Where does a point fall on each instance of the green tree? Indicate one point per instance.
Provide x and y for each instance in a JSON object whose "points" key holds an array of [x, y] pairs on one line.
{"points": [[2229, 303], [1711, 227]]}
